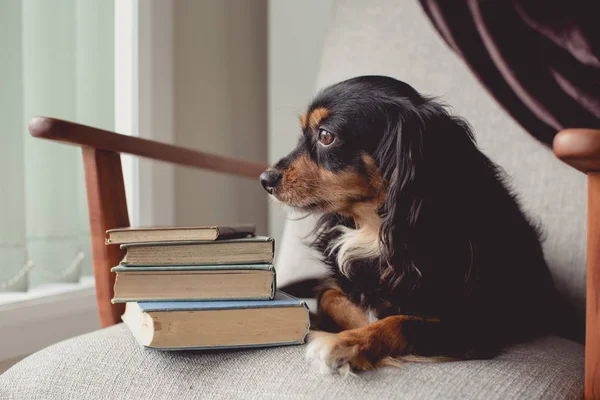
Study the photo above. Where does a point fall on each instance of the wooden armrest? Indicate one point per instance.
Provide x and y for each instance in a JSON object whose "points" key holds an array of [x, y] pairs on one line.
{"points": [[579, 148], [107, 205], [82, 135]]}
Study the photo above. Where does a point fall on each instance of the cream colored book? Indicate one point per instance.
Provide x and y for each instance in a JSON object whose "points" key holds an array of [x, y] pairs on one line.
{"points": [[175, 234], [194, 283], [219, 324], [251, 250]]}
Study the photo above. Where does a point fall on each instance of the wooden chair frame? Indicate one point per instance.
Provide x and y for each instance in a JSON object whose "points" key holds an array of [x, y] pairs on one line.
{"points": [[107, 205], [580, 148]]}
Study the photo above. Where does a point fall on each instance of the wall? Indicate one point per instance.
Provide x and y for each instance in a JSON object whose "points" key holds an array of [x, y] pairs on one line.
{"points": [[297, 30], [221, 106], [220, 79]]}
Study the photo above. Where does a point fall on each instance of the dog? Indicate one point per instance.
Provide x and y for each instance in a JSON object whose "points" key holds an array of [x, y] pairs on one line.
{"points": [[430, 254]]}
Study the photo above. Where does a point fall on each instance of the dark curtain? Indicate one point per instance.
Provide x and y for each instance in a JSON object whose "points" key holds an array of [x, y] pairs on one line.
{"points": [[540, 59]]}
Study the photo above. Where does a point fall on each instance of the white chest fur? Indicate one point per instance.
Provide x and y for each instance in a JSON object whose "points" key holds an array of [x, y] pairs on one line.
{"points": [[355, 244]]}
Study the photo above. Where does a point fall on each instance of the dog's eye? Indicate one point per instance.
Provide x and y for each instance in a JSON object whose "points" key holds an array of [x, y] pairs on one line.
{"points": [[325, 137]]}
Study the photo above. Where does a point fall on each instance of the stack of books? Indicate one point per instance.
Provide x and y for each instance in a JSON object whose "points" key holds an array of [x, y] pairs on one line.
{"points": [[204, 287]]}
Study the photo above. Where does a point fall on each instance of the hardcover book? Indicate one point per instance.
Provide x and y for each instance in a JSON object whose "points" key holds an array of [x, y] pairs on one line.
{"points": [[194, 283], [251, 250], [220, 324], [168, 234]]}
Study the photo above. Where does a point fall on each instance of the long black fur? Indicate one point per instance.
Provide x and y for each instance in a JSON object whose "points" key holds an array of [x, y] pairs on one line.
{"points": [[455, 243]]}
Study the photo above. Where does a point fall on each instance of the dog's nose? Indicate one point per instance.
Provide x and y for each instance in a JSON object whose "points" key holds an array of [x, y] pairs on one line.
{"points": [[270, 179]]}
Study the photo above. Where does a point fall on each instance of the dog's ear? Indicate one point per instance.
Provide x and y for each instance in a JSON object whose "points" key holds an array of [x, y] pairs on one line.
{"points": [[400, 157], [421, 146]]}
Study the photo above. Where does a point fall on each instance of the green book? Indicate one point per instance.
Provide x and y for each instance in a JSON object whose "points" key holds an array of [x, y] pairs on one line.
{"points": [[251, 250], [194, 283]]}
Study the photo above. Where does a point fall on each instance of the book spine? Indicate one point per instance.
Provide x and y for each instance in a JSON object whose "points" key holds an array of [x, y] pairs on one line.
{"points": [[273, 283], [308, 324], [236, 231]]}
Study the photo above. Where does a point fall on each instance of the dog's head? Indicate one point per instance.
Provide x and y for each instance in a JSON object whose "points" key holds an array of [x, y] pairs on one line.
{"points": [[363, 142], [372, 145]]}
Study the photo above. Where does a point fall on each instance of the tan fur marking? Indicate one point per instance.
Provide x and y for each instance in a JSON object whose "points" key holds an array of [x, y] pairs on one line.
{"points": [[341, 310], [313, 118], [305, 183], [350, 193], [362, 242], [362, 348], [316, 116], [303, 120]]}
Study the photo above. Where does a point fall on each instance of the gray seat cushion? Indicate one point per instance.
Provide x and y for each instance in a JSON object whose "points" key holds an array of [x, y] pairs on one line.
{"points": [[109, 364]]}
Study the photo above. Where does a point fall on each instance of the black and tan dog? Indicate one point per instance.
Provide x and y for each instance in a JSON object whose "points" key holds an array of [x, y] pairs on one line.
{"points": [[431, 256]]}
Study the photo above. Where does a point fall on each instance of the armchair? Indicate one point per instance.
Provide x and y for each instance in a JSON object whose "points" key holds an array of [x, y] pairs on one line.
{"points": [[364, 37], [101, 150]]}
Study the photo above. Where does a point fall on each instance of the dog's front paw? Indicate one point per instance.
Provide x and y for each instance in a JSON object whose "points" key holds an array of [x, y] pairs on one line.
{"points": [[337, 352]]}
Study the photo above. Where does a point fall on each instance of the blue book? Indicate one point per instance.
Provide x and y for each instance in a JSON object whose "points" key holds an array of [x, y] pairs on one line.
{"points": [[219, 324], [194, 283]]}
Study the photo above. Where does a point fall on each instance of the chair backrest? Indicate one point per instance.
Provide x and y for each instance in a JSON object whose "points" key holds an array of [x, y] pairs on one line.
{"points": [[395, 38]]}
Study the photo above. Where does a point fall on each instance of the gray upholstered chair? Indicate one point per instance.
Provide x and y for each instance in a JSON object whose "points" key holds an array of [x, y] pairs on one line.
{"points": [[383, 37]]}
